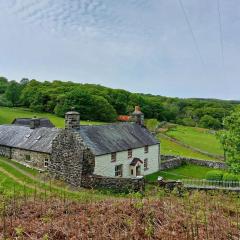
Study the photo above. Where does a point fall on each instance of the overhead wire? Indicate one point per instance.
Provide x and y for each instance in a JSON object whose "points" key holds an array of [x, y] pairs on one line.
{"points": [[221, 35], [192, 32]]}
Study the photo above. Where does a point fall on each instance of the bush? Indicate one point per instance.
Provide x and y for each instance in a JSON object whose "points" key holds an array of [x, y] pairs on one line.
{"points": [[230, 177], [216, 175]]}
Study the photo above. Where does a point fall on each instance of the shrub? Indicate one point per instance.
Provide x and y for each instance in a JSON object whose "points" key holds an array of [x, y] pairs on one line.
{"points": [[230, 177], [214, 175]]}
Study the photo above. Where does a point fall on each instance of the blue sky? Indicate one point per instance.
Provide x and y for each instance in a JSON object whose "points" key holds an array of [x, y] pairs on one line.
{"points": [[138, 45]]}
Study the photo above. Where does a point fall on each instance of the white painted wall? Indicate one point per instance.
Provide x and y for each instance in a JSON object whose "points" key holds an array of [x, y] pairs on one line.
{"points": [[104, 166]]}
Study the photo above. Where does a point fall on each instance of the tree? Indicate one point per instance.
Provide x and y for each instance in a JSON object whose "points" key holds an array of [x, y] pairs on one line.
{"points": [[91, 107], [209, 122], [230, 139], [13, 93], [3, 84]]}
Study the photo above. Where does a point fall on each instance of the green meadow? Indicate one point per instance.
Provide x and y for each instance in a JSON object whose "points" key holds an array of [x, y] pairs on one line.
{"points": [[199, 138], [7, 115]]}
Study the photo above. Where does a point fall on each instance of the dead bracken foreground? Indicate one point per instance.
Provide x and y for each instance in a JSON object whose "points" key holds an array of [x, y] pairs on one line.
{"points": [[196, 216]]}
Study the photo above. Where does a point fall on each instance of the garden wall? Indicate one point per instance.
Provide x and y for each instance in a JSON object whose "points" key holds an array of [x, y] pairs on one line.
{"points": [[173, 162], [113, 183]]}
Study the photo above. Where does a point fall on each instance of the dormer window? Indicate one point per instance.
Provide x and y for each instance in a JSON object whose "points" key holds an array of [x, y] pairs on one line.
{"points": [[146, 149], [129, 153], [113, 157]]}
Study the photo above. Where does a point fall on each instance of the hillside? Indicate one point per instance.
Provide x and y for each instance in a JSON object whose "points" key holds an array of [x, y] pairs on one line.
{"points": [[99, 103]]}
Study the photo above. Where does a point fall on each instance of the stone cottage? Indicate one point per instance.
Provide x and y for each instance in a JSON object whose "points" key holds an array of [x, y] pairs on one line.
{"points": [[91, 156]]}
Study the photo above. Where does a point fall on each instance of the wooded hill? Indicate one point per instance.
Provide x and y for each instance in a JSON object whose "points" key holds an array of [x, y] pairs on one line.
{"points": [[96, 102]]}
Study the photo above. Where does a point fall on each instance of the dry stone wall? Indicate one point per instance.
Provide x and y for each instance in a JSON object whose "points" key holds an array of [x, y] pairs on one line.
{"points": [[115, 184], [173, 162]]}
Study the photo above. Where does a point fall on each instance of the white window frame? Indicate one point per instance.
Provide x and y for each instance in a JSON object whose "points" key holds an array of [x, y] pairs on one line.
{"points": [[130, 153], [113, 157], [146, 149], [118, 170]]}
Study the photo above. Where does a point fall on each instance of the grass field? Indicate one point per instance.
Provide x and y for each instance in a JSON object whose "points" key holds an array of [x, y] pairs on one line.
{"points": [[20, 180], [7, 115], [183, 172], [171, 148], [198, 138]]}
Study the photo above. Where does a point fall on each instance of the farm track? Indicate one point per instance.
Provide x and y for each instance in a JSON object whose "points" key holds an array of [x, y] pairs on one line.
{"points": [[32, 177], [47, 187], [19, 181]]}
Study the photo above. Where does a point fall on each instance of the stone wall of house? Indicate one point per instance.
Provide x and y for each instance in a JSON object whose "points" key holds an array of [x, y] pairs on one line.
{"points": [[30, 158], [113, 183], [173, 162], [5, 151], [67, 158]]}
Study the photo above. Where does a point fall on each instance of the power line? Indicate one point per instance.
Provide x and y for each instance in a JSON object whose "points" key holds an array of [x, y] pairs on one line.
{"points": [[221, 33], [192, 33]]}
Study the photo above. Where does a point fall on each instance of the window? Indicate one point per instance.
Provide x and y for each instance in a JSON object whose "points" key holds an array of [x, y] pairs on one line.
{"points": [[146, 149], [145, 164], [113, 157], [46, 162], [130, 153], [28, 158], [118, 170], [131, 171]]}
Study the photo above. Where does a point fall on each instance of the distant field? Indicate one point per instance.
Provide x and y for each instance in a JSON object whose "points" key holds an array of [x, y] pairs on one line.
{"points": [[199, 138], [171, 148], [7, 115], [183, 172]]}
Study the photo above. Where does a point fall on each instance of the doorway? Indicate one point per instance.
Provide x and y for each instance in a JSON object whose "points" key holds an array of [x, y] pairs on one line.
{"points": [[138, 171]]}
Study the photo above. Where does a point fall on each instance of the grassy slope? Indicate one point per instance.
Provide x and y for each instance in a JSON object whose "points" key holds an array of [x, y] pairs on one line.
{"points": [[197, 137], [7, 115], [28, 181], [171, 148], [183, 172]]}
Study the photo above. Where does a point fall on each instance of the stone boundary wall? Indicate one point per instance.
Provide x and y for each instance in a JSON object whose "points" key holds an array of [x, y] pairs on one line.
{"points": [[173, 162], [114, 183]]}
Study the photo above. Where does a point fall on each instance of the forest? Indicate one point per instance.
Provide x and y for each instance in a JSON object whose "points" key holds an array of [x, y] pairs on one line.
{"points": [[99, 103]]}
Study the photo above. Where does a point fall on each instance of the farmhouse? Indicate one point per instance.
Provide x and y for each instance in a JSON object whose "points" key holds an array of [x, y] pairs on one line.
{"points": [[118, 150]]}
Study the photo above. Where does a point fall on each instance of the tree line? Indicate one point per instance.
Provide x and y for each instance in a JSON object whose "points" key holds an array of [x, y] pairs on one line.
{"points": [[96, 102]]}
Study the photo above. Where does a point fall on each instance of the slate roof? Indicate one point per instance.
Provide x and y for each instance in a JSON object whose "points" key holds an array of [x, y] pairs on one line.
{"points": [[104, 139], [38, 139], [44, 122]]}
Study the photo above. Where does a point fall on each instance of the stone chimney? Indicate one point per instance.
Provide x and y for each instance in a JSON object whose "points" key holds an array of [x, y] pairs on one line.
{"points": [[34, 122], [138, 116], [72, 120]]}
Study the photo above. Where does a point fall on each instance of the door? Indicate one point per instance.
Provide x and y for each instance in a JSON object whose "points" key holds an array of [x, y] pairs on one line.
{"points": [[138, 171]]}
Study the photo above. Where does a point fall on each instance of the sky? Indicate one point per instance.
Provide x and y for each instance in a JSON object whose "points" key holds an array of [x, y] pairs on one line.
{"points": [[177, 48]]}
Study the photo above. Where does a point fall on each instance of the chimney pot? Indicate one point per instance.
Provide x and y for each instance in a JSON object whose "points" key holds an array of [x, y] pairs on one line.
{"points": [[72, 120], [138, 116]]}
